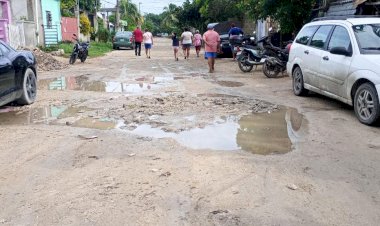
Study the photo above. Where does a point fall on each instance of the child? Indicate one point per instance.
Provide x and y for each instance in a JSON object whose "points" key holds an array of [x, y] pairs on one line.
{"points": [[197, 42], [175, 45]]}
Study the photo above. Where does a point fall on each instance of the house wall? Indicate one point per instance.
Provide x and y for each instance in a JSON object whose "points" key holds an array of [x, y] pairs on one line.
{"points": [[23, 10], [5, 19], [69, 28], [54, 7]]}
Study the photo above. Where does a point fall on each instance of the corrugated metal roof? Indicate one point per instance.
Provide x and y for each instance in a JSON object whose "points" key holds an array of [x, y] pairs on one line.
{"points": [[341, 8]]}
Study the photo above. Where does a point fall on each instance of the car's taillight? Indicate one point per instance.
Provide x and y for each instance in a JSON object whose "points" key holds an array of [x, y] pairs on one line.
{"points": [[130, 39]]}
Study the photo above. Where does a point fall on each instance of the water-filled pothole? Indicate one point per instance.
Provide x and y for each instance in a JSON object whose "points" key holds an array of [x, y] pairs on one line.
{"points": [[57, 115], [83, 83], [229, 83], [264, 133]]}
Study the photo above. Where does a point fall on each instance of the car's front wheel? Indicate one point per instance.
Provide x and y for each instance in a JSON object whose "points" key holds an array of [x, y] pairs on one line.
{"points": [[366, 104], [29, 88], [298, 85]]}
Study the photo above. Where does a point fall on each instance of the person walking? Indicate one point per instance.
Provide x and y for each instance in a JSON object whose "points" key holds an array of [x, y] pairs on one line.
{"points": [[175, 45], [197, 42], [138, 37], [186, 41], [234, 36], [212, 45], [148, 42]]}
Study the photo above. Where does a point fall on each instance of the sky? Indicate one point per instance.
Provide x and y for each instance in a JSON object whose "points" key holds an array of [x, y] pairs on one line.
{"points": [[146, 6]]}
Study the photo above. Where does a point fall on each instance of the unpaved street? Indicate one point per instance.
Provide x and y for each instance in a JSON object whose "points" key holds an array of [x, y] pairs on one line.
{"points": [[126, 140]]}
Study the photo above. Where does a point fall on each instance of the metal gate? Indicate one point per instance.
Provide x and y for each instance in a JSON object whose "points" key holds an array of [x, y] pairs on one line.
{"points": [[51, 34]]}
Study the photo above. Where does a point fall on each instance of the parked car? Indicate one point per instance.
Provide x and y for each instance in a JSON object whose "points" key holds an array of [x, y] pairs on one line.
{"points": [[123, 39], [340, 58], [18, 76], [223, 28]]}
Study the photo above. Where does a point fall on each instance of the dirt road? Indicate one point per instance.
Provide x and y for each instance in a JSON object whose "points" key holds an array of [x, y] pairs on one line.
{"points": [[126, 140]]}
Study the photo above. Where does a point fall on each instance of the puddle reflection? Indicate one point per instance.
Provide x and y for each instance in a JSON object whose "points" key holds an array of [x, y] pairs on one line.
{"points": [[82, 83], [264, 133]]}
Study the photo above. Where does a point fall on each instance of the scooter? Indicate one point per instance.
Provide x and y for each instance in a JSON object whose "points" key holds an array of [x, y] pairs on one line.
{"points": [[248, 56], [275, 58], [80, 50]]}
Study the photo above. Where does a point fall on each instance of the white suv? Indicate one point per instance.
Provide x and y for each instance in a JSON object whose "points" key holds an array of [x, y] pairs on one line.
{"points": [[340, 58]]}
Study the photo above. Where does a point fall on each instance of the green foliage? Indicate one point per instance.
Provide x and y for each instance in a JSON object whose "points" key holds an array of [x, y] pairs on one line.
{"points": [[85, 25], [89, 5], [103, 35], [96, 48], [68, 7], [290, 14]]}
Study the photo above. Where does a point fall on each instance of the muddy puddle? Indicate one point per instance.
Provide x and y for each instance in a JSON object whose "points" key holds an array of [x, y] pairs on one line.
{"points": [[83, 83], [57, 115], [264, 133], [229, 83]]}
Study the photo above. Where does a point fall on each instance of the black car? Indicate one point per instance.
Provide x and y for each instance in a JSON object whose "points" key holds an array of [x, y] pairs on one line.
{"points": [[223, 28], [18, 76]]}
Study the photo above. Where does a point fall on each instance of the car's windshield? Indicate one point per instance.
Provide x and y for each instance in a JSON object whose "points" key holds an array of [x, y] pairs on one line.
{"points": [[368, 36], [124, 33]]}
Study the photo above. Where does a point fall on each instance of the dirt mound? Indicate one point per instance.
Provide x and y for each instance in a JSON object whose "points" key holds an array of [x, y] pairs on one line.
{"points": [[46, 61]]}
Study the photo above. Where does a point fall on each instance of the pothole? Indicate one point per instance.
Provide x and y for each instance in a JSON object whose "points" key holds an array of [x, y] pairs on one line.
{"points": [[82, 83], [229, 83], [262, 133]]}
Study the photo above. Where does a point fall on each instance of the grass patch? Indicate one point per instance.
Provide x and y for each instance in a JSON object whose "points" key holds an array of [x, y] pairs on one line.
{"points": [[96, 48]]}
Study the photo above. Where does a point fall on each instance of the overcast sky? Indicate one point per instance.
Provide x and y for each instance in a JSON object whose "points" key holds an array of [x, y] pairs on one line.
{"points": [[146, 6]]}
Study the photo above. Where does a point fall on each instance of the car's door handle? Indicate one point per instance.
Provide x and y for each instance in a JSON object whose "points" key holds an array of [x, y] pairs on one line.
{"points": [[325, 58], [306, 52]]}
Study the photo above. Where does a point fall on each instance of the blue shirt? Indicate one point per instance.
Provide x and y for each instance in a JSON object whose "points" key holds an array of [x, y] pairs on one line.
{"points": [[175, 41], [235, 31]]}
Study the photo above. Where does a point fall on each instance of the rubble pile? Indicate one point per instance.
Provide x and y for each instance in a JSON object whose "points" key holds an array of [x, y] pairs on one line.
{"points": [[46, 61]]}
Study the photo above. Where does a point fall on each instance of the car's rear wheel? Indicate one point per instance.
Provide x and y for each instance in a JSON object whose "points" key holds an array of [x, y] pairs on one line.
{"points": [[29, 88], [366, 104], [298, 85]]}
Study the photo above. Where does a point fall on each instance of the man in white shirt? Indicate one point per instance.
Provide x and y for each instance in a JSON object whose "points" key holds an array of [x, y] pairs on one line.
{"points": [[148, 42], [186, 41]]}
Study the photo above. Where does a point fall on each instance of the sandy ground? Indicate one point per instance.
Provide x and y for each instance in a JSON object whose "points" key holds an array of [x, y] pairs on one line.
{"points": [[126, 140]]}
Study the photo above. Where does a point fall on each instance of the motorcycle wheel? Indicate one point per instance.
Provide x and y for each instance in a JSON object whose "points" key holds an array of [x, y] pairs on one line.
{"points": [[243, 66], [270, 71], [73, 58], [83, 58]]}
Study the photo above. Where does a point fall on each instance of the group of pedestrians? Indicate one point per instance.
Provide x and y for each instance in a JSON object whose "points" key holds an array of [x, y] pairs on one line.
{"points": [[210, 38], [146, 37]]}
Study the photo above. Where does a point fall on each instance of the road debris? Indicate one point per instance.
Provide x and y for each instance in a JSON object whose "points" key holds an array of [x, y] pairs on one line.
{"points": [[292, 186], [87, 137]]}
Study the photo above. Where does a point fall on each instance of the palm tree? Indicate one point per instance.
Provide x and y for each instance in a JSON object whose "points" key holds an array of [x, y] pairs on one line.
{"points": [[170, 19], [130, 11]]}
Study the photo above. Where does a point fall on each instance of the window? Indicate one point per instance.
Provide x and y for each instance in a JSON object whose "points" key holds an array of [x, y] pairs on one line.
{"points": [[320, 37], [304, 36], [368, 36], [340, 38], [49, 20]]}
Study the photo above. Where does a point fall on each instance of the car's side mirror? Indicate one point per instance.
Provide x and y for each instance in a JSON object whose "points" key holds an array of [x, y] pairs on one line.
{"points": [[340, 51]]}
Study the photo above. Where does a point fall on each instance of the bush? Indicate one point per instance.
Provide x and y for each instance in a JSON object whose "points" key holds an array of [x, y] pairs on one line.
{"points": [[85, 26], [103, 35]]}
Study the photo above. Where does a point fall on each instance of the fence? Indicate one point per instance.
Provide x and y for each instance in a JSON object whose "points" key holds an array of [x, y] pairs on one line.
{"points": [[69, 27], [22, 34]]}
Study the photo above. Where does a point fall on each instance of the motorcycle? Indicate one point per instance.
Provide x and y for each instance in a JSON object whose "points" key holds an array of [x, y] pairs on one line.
{"points": [[248, 55], [80, 50], [275, 58]]}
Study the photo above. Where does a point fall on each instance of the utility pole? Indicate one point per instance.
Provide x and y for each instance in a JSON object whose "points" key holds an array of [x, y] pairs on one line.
{"points": [[117, 15], [78, 19], [139, 8]]}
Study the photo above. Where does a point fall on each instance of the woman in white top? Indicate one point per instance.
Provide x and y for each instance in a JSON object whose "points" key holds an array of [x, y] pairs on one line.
{"points": [[148, 42], [187, 41]]}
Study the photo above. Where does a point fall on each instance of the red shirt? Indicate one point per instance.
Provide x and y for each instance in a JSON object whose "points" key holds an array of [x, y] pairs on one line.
{"points": [[138, 35], [212, 40]]}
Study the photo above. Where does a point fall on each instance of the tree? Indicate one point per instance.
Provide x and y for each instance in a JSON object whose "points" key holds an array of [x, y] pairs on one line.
{"points": [[130, 13], [169, 17], [290, 14]]}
